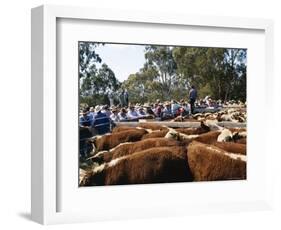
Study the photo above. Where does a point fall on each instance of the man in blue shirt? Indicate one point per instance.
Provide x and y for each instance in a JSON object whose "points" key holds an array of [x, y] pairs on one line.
{"points": [[192, 98], [101, 122], [86, 120]]}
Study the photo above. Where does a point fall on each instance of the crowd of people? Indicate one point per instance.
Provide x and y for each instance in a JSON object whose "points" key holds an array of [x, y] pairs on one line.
{"points": [[102, 118]]}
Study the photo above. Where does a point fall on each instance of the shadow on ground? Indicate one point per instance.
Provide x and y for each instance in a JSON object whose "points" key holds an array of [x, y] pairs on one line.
{"points": [[25, 215]]}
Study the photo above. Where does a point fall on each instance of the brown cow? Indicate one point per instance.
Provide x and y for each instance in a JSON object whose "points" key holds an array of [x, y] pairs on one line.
{"points": [[155, 134], [151, 126], [125, 149], [154, 165], [208, 138], [209, 163], [232, 147], [122, 128], [110, 141], [191, 131]]}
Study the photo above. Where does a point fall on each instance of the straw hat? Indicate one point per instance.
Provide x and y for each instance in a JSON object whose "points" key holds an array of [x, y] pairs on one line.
{"points": [[98, 108]]}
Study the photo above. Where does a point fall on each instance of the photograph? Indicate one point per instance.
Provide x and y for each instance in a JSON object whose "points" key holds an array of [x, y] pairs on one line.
{"points": [[152, 113]]}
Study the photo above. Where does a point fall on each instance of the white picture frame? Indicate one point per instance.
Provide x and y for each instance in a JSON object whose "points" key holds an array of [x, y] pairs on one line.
{"points": [[45, 91]]}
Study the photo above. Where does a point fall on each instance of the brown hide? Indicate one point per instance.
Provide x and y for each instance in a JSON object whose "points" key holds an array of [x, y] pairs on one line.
{"points": [[122, 128], [131, 148], [155, 134], [192, 131], [154, 165], [151, 126], [208, 138], [107, 142], [232, 147], [211, 164], [237, 130]]}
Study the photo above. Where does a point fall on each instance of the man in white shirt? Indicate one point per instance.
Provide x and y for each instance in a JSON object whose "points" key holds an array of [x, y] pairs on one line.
{"points": [[114, 115], [132, 114], [123, 115]]}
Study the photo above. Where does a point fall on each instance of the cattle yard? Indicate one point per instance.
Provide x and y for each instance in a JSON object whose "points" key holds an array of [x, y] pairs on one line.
{"points": [[187, 124], [204, 147]]}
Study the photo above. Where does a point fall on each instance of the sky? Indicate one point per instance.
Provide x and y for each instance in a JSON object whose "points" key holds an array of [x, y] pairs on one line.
{"points": [[122, 59]]}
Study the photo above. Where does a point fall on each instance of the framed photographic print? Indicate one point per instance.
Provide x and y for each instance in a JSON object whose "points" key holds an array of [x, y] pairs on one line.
{"points": [[137, 114]]}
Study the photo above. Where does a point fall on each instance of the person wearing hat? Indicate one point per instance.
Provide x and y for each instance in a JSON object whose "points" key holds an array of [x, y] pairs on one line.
{"points": [[175, 108], [114, 115], [141, 112], [167, 112], [101, 122], [92, 112], [184, 110], [123, 115], [85, 119], [149, 111], [132, 114], [106, 110], [158, 109]]}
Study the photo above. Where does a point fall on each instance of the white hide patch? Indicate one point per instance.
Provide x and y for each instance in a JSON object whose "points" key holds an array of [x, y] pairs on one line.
{"points": [[172, 134], [112, 163], [125, 143], [99, 168], [234, 156], [101, 153], [242, 134], [213, 125], [188, 137], [224, 136], [149, 130], [115, 161]]}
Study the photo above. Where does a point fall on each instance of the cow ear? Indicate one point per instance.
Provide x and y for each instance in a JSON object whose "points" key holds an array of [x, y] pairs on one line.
{"points": [[235, 135]]}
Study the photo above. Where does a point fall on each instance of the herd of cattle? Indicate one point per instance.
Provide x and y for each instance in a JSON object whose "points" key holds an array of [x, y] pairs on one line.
{"points": [[152, 153], [231, 115]]}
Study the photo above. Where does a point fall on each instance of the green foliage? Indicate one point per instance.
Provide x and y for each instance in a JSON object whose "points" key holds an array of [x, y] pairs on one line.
{"points": [[87, 58], [94, 99], [160, 59], [214, 71], [95, 83], [168, 73], [98, 85], [205, 90]]}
